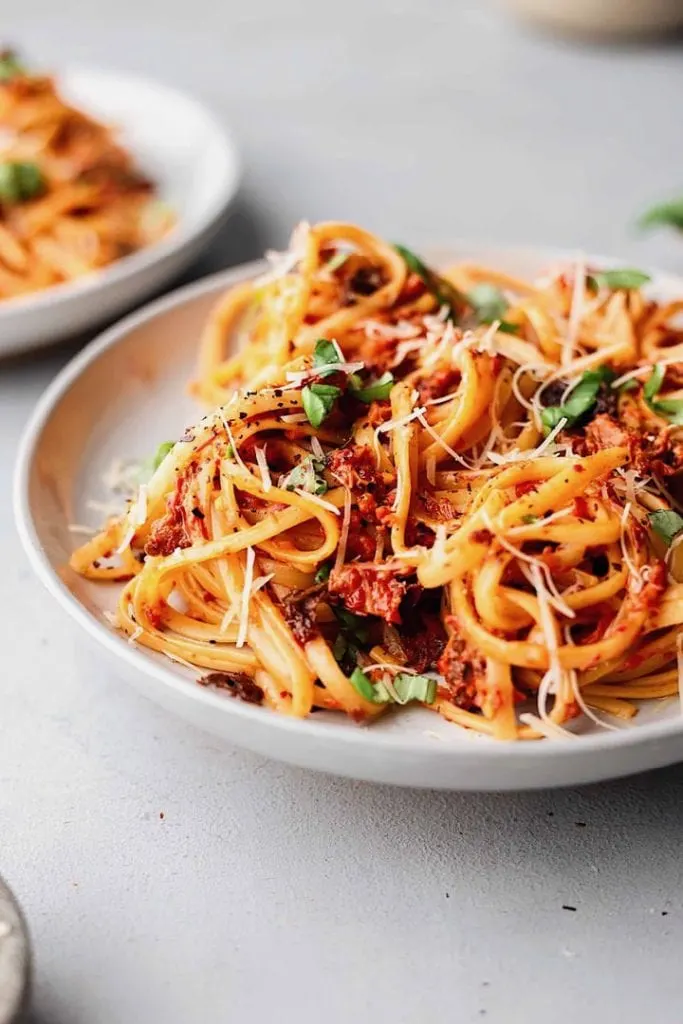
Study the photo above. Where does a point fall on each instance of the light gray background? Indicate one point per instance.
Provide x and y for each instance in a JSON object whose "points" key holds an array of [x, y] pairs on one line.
{"points": [[266, 893]]}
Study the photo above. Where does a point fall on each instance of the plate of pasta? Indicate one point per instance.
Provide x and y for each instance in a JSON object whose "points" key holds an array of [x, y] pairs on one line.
{"points": [[407, 519], [110, 185]]}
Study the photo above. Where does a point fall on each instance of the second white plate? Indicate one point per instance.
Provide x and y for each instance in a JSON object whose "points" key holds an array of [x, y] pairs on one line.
{"points": [[182, 146]]}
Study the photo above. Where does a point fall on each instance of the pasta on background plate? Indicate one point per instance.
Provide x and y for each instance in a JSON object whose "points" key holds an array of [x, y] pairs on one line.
{"points": [[445, 487], [72, 199]]}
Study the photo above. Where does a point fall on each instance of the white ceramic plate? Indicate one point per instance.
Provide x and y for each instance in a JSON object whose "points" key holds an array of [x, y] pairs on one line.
{"points": [[122, 396], [193, 160]]}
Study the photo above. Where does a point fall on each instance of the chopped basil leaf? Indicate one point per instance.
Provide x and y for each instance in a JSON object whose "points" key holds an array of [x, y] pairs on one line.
{"points": [[229, 452], [19, 181], [405, 687], [664, 215], [340, 647], [10, 66], [443, 291], [161, 453], [414, 263], [353, 624], [377, 391], [318, 400], [628, 385], [337, 261], [529, 519], [325, 353], [323, 573], [653, 383], [581, 399], [306, 476], [619, 278], [667, 523], [670, 409], [363, 686], [409, 687], [505, 327], [488, 302]]}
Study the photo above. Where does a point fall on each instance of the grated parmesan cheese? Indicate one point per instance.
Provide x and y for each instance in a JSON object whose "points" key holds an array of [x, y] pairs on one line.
{"points": [[440, 441], [238, 458], [260, 583], [546, 727], [576, 312], [263, 467], [532, 369], [578, 696], [227, 619], [344, 533], [400, 422], [283, 263], [554, 595], [246, 594], [299, 376], [397, 496], [317, 449], [640, 371], [179, 661], [401, 331], [628, 561], [317, 500], [515, 455]]}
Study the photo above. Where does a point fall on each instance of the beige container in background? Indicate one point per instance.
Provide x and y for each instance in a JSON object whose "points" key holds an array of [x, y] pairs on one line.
{"points": [[603, 17]]}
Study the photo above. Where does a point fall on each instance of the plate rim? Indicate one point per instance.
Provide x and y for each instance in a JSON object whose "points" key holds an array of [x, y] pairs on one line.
{"points": [[127, 266], [520, 754]]}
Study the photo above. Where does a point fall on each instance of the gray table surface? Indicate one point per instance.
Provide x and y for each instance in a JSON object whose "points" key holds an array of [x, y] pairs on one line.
{"points": [[168, 878]]}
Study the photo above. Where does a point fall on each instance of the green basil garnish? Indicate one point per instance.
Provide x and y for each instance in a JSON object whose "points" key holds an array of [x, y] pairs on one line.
{"points": [[670, 409], [306, 476], [317, 400], [405, 687], [443, 291], [668, 215], [355, 625], [19, 181], [336, 261], [324, 354], [667, 523], [581, 399], [374, 392], [161, 453], [409, 687], [620, 278], [628, 385], [323, 573], [489, 304], [10, 66], [362, 684]]}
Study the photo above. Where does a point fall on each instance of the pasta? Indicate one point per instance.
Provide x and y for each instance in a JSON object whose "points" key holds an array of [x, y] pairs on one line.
{"points": [[453, 488], [71, 199]]}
